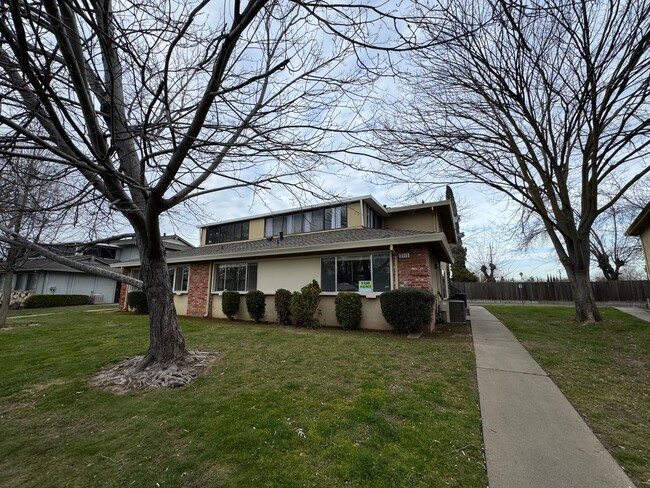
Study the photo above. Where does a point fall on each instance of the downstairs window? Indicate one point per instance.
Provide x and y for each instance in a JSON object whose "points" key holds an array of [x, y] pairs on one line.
{"points": [[368, 273]]}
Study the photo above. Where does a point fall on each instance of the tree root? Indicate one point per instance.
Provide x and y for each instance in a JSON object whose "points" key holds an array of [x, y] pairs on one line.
{"points": [[129, 375]]}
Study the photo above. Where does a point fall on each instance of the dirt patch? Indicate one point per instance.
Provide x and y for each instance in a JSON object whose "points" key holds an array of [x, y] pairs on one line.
{"points": [[127, 375]]}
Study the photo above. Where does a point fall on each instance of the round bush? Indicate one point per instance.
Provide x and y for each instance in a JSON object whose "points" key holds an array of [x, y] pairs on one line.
{"points": [[137, 300], [230, 304], [283, 306], [348, 309], [407, 309], [255, 304]]}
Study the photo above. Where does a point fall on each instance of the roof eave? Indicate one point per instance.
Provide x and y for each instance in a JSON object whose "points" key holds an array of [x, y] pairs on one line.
{"points": [[639, 224], [436, 237]]}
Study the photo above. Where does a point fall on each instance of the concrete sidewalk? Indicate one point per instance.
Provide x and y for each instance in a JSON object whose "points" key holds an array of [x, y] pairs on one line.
{"points": [[533, 435], [639, 313]]}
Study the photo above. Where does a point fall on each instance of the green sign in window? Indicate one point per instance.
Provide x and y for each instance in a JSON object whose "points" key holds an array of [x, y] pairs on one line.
{"points": [[365, 286]]}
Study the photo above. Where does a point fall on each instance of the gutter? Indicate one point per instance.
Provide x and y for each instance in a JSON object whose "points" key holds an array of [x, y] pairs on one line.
{"points": [[437, 237]]}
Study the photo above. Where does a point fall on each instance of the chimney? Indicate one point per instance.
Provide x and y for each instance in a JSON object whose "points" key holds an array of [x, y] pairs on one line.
{"points": [[281, 235]]}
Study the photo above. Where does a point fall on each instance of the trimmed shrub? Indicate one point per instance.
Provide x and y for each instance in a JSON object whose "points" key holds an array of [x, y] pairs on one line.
{"points": [[41, 301], [255, 304], [348, 309], [283, 306], [137, 301], [230, 304], [304, 304], [407, 309]]}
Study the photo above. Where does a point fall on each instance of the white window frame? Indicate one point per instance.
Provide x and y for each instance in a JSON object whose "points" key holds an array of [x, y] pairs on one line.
{"points": [[173, 272], [215, 276], [372, 269]]}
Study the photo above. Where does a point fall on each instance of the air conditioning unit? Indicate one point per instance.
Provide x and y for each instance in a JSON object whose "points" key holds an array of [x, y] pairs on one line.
{"points": [[457, 312]]}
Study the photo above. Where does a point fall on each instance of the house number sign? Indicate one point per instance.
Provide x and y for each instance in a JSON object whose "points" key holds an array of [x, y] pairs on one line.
{"points": [[404, 255]]}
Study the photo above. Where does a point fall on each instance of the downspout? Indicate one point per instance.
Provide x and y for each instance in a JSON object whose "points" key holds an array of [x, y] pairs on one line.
{"points": [[363, 220], [208, 309], [393, 254]]}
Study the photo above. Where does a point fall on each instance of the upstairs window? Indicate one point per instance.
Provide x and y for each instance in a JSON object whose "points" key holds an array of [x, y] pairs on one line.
{"points": [[373, 220], [309, 221], [179, 278], [235, 231]]}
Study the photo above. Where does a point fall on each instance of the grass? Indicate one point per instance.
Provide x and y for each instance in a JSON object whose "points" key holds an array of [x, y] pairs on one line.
{"points": [[280, 407], [603, 369]]}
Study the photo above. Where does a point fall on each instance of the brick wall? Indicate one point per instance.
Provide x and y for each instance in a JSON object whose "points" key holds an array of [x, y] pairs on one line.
{"points": [[414, 271], [197, 296]]}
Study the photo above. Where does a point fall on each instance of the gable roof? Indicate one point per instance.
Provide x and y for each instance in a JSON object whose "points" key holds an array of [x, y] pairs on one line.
{"points": [[310, 243], [445, 211], [641, 223]]}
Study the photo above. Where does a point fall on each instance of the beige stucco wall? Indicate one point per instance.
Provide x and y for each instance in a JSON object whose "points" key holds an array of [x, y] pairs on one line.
{"points": [[645, 241], [269, 315], [180, 303], [371, 317], [355, 218], [203, 234], [421, 219], [291, 274], [256, 229]]}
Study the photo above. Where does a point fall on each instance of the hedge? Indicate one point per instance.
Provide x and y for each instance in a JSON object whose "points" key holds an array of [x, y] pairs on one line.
{"points": [[407, 309], [41, 301], [256, 304], [304, 304], [283, 306], [230, 304], [348, 309]]}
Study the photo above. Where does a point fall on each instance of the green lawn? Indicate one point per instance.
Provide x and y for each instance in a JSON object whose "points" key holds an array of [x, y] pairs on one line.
{"points": [[280, 407], [603, 369]]}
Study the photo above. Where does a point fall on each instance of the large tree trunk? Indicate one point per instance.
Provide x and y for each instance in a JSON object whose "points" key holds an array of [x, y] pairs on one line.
{"points": [[6, 295], [583, 297], [166, 338]]}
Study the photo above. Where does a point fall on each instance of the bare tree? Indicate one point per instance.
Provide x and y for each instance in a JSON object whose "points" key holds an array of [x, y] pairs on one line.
{"points": [[25, 194], [545, 102], [488, 255], [610, 247], [155, 103]]}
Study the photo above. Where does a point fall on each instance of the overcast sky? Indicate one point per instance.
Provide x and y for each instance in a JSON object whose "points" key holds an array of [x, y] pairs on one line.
{"points": [[484, 219]]}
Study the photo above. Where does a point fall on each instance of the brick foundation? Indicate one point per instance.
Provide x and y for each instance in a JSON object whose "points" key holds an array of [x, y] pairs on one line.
{"points": [[197, 290], [416, 270]]}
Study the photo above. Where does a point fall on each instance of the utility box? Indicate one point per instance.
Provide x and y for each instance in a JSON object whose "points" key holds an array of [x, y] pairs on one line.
{"points": [[457, 312]]}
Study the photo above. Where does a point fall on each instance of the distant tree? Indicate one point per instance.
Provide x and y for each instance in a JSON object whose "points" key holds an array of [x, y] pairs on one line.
{"points": [[459, 271], [611, 248], [545, 103], [27, 189]]}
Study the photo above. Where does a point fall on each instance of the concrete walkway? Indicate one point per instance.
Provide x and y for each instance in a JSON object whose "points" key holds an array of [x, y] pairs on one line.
{"points": [[639, 313], [533, 435]]}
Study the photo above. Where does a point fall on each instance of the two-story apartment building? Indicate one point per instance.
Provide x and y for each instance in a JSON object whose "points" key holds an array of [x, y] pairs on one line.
{"points": [[355, 244]]}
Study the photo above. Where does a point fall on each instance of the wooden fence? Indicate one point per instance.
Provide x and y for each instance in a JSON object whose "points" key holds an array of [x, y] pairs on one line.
{"points": [[559, 291]]}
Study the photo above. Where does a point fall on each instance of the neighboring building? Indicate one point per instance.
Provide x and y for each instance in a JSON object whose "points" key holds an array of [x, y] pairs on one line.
{"points": [[43, 276], [641, 228], [352, 245]]}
